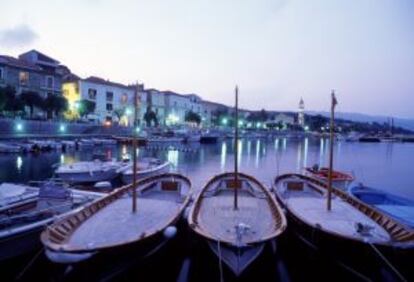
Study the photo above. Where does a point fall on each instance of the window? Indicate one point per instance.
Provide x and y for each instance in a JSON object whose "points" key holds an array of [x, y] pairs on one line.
{"points": [[109, 107], [23, 78], [109, 96], [92, 93], [124, 98], [49, 82]]}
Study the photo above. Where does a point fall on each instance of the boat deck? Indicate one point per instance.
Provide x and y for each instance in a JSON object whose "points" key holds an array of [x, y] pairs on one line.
{"points": [[116, 223], [343, 218], [218, 217]]}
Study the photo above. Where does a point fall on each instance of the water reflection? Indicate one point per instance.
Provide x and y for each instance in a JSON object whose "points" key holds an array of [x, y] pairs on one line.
{"points": [[172, 157], [223, 155], [384, 166], [19, 163]]}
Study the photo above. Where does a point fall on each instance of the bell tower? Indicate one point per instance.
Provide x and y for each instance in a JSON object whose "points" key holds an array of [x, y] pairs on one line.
{"points": [[301, 113]]}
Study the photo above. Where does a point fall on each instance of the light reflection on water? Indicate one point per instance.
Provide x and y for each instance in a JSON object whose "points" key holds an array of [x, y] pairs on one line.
{"points": [[385, 166]]}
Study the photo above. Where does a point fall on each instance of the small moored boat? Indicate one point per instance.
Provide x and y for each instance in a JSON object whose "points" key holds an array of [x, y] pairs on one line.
{"points": [[236, 215], [401, 209], [108, 226], [22, 222], [237, 235], [84, 172], [145, 167], [339, 179]]}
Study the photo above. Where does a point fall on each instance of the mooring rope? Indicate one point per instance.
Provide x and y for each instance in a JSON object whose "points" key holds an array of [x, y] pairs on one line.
{"points": [[220, 262], [400, 276], [18, 277]]}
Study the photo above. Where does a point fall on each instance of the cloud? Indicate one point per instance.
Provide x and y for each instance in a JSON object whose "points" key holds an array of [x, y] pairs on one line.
{"points": [[18, 36]]}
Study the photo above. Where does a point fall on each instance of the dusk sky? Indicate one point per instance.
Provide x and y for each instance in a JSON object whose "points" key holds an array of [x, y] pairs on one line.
{"points": [[276, 51]]}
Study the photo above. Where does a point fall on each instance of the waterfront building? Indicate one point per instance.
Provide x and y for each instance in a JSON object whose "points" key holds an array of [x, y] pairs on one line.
{"points": [[209, 112], [178, 105], [32, 71], [301, 113], [114, 102]]}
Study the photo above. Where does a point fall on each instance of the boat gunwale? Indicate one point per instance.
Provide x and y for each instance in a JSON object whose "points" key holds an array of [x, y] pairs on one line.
{"points": [[74, 220], [277, 213], [400, 235]]}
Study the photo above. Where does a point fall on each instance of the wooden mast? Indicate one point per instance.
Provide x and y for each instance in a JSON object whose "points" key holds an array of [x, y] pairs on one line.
{"points": [[134, 153], [331, 141], [236, 148]]}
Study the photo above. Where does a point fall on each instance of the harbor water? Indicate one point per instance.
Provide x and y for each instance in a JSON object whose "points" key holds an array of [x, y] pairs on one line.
{"points": [[385, 166]]}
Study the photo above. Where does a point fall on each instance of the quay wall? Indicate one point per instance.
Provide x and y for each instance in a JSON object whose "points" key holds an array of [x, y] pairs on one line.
{"points": [[16, 128]]}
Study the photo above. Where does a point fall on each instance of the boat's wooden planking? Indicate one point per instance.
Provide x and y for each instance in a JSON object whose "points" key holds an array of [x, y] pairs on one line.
{"points": [[397, 232]]}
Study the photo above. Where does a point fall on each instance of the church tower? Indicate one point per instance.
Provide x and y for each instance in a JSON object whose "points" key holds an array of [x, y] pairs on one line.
{"points": [[301, 113]]}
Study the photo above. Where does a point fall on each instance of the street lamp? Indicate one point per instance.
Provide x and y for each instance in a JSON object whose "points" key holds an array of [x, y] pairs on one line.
{"points": [[62, 128], [19, 126], [224, 121]]}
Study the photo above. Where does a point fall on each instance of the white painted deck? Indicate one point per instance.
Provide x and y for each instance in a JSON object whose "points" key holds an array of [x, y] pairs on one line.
{"points": [[342, 219], [218, 218], [116, 223]]}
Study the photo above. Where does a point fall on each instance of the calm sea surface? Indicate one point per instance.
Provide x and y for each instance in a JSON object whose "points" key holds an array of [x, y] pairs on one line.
{"points": [[386, 166]]}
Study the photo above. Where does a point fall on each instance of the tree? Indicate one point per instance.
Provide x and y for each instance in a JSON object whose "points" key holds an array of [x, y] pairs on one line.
{"points": [[191, 116], [9, 101], [86, 107], [119, 113], [54, 104], [32, 99], [150, 116]]}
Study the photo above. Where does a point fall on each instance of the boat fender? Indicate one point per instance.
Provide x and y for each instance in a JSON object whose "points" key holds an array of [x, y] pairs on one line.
{"points": [[65, 258], [186, 213], [170, 232]]}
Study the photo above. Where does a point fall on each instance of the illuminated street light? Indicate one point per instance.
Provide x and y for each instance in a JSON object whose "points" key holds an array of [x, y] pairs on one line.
{"points": [[62, 128], [240, 123], [19, 127], [224, 121], [128, 112], [306, 128], [258, 125]]}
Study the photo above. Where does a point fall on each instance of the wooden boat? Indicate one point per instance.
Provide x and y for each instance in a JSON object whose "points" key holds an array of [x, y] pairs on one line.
{"points": [[236, 215], [11, 193], [93, 171], [339, 179], [145, 167], [401, 209], [108, 226], [21, 222], [236, 236], [350, 233]]}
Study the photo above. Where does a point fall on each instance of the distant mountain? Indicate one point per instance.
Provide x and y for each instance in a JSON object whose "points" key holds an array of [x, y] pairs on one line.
{"points": [[401, 122]]}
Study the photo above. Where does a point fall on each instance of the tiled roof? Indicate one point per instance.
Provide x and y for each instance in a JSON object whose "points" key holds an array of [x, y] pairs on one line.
{"points": [[18, 63], [98, 80]]}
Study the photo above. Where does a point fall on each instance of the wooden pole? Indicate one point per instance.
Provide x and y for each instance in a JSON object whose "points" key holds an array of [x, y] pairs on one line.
{"points": [[134, 154], [236, 149], [331, 143]]}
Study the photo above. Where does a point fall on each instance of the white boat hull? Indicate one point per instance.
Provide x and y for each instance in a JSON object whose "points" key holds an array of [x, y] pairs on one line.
{"points": [[93, 176], [236, 258], [127, 178]]}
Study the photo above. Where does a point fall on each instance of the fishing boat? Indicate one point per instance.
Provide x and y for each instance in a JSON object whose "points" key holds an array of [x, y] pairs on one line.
{"points": [[236, 215], [145, 167], [339, 179], [11, 193], [9, 148], [361, 239], [108, 226], [21, 222], [89, 171], [401, 209]]}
